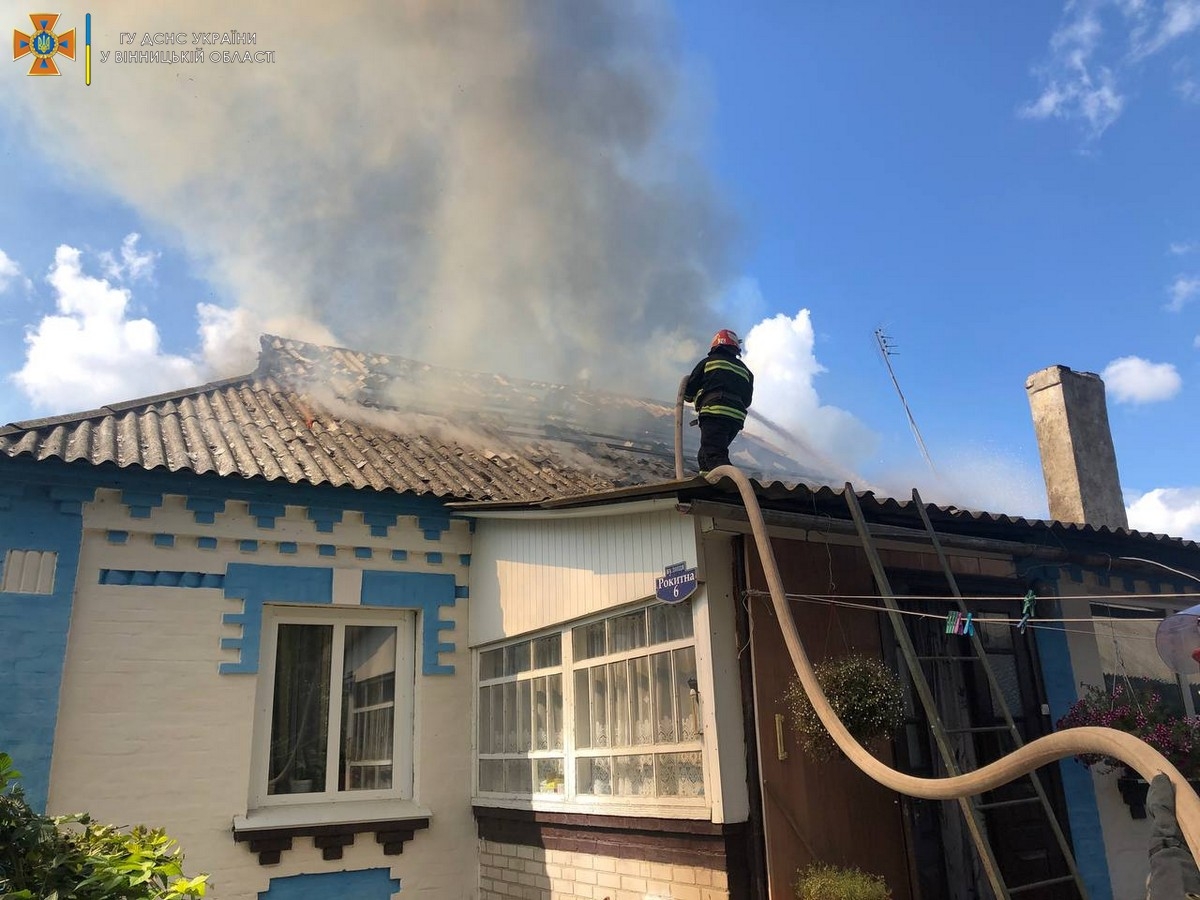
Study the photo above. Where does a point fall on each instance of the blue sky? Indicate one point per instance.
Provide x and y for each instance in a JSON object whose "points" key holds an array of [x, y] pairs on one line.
{"points": [[999, 189]]}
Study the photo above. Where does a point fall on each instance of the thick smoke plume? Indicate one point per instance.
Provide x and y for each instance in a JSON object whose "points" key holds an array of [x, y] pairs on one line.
{"points": [[501, 186]]}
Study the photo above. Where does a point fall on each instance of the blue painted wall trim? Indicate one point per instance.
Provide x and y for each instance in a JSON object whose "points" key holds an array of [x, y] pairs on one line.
{"points": [[421, 591], [265, 514], [379, 523], [34, 627], [141, 578], [1082, 811], [433, 526], [256, 585], [205, 509], [209, 492], [364, 884]]}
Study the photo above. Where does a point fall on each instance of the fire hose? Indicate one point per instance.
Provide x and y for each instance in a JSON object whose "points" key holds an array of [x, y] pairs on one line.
{"points": [[1131, 751]]}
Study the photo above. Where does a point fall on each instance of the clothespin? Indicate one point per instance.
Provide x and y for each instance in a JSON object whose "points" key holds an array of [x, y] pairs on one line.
{"points": [[968, 626], [952, 623], [1028, 610]]}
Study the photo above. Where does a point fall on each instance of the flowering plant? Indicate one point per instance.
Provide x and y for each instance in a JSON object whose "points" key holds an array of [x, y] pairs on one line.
{"points": [[1140, 713], [866, 695]]}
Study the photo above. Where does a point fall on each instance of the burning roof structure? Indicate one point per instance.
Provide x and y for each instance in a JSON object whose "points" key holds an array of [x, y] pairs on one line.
{"points": [[330, 415]]}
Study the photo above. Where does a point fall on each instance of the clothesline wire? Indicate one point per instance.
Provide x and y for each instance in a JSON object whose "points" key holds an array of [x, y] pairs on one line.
{"points": [[944, 599], [1035, 623]]}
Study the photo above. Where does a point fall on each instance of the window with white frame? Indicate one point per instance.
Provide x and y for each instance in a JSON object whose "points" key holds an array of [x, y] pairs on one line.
{"points": [[1130, 660], [335, 716], [601, 710]]}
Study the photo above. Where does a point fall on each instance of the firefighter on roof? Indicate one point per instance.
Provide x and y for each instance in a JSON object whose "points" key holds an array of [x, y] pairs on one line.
{"points": [[721, 388]]}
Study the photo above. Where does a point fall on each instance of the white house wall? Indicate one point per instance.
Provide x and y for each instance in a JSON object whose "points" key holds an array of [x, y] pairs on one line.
{"points": [[150, 731], [531, 574]]}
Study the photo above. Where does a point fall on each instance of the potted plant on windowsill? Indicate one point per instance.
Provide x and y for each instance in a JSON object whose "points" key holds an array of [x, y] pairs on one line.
{"points": [[1142, 714]]}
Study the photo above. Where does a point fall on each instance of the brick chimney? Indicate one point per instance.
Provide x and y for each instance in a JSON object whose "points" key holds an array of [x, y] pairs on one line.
{"points": [[1078, 460]]}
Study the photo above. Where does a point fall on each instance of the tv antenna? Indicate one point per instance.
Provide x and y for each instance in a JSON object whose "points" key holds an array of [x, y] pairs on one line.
{"points": [[887, 348]]}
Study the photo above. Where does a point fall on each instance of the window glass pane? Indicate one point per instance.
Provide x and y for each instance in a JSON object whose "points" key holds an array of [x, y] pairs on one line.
{"points": [[485, 719], [995, 635], [518, 776], [525, 710], [685, 706], [598, 686], [300, 712], [634, 776], [643, 706], [583, 709], [491, 775], [368, 707], [547, 652], [627, 632], [491, 664], [679, 775], [516, 658], [588, 641], [1128, 657], [512, 727], [498, 730], [541, 715], [550, 776], [670, 622], [664, 698], [594, 776], [1004, 667], [556, 712], [618, 706]]}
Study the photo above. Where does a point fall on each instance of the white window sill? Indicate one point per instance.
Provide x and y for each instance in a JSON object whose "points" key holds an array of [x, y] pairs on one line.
{"points": [[697, 809], [336, 813], [270, 831]]}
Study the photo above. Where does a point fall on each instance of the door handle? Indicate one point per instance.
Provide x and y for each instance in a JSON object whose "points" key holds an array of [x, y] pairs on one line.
{"points": [[780, 750]]}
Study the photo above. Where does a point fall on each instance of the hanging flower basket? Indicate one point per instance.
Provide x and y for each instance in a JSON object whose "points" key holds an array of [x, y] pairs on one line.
{"points": [[866, 695], [1140, 713]]}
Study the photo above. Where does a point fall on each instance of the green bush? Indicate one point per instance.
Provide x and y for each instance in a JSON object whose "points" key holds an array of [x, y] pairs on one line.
{"points": [[75, 858], [822, 882]]}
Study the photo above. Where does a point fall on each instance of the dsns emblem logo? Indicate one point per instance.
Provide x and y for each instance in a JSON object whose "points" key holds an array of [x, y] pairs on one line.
{"points": [[44, 44]]}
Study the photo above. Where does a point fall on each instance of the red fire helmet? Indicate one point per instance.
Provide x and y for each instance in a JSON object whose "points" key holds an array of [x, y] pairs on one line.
{"points": [[726, 338]]}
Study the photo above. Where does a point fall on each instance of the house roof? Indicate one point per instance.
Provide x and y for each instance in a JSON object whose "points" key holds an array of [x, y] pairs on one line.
{"points": [[829, 502], [330, 415]]}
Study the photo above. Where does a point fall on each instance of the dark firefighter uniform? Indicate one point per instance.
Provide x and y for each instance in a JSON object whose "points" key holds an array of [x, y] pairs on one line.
{"points": [[721, 388]]}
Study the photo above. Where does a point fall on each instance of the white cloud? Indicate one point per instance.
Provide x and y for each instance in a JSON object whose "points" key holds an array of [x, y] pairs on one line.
{"points": [[1178, 18], [1196, 342], [1182, 290], [133, 265], [780, 352], [1131, 379], [1074, 87], [10, 273], [90, 353], [1173, 511], [1098, 46], [1182, 248]]}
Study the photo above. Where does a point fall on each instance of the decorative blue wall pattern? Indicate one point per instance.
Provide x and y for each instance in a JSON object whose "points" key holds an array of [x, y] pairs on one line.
{"points": [[365, 884]]}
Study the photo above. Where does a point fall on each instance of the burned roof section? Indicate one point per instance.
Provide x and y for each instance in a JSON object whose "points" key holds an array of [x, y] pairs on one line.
{"points": [[329, 415]]}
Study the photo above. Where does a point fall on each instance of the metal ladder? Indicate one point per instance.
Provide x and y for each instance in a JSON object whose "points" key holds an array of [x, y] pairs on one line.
{"points": [[972, 808]]}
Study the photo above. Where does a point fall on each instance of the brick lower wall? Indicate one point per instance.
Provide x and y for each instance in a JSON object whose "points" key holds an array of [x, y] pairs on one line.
{"points": [[516, 872]]}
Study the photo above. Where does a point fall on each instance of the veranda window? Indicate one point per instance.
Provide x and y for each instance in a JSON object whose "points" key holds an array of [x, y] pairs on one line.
{"points": [[606, 709]]}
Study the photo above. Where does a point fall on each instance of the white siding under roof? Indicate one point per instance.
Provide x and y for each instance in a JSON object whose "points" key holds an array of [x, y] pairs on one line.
{"points": [[528, 574]]}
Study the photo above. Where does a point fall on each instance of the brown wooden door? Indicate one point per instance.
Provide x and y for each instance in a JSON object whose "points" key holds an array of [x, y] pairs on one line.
{"points": [[818, 811], [1016, 823]]}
